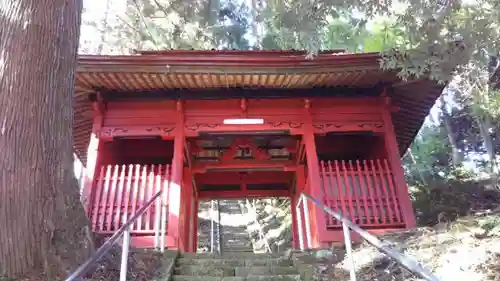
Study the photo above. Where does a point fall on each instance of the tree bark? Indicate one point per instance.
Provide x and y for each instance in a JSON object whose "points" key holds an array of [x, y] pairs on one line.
{"points": [[44, 229], [485, 126], [415, 164], [456, 155]]}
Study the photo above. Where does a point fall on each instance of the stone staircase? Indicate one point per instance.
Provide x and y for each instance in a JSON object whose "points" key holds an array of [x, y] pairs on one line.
{"points": [[230, 227], [234, 267]]}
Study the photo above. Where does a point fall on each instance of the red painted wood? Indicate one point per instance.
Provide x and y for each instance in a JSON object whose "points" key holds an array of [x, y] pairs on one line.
{"points": [[135, 193], [381, 203], [142, 195], [340, 190], [385, 194], [357, 198], [392, 151], [378, 193], [128, 192], [112, 194], [187, 216], [174, 200], [392, 194], [369, 205], [149, 194], [157, 185], [104, 199], [200, 168], [108, 216], [119, 199], [363, 191], [97, 199], [352, 214], [375, 212], [204, 195], [155, 118], [326, 195], [253, 177], [316, 214]]}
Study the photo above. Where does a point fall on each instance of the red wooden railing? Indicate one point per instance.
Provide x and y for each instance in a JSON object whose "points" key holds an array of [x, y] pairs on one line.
{"points": [[119, 191], [363, 191]]}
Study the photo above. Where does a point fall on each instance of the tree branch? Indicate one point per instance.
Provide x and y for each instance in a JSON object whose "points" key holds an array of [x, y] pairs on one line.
{"points": [[141, 16]]}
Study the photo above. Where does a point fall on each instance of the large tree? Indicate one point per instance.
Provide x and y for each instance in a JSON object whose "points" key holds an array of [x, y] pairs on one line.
{"points": [[43, 226]]}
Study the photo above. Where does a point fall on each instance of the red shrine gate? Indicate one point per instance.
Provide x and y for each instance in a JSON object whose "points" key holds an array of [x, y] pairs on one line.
{"points": [[232, 124]]}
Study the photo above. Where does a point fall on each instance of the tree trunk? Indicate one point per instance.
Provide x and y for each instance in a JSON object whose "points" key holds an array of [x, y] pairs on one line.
{"points": [[417, 167], [44, 229], [456, 155], [485, 125]]}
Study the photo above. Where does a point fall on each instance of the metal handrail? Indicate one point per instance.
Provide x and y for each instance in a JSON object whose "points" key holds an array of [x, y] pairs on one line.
{"points": [[124, 230], [407, 262]]}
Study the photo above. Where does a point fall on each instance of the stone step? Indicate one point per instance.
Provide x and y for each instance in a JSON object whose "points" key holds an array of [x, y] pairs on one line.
{"points": [[198, 270], [235, 232], [237, 245], [231, 256], [236, 248], [236, 241], [265, 271], [231, 262], [238, 271], [249, 278]]}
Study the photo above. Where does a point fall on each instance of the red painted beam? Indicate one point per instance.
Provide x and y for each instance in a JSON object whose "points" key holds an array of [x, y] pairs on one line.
{"points": [[200, 168], [203, 195], [250, 178]]}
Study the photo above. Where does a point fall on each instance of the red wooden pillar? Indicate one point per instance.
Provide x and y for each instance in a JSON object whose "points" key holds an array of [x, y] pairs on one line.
{"points": [[316, 214], [192, 219], [174, 198], [187, 214], [195, 225], [299, 187], [92, 162], [396, 164]]}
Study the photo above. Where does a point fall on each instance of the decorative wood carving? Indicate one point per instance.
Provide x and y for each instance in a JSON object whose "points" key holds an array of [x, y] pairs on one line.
{"points": [[111, 132], [290, 124], [164, 130], [377, 125], [365, 125], [243, 143], [197, 126]]}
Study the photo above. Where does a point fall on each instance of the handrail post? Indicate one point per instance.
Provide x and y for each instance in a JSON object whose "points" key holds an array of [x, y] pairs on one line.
{"points": [[219, 235], [157, 222], [408, 263], [212, 213], [307, 222], [299, 224], [125, 230], [163, 219], [125, 249], [348, 249]]}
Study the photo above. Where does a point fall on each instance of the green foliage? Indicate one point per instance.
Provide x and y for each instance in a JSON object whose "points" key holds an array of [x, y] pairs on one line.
{"points": [[460, 173], [450, 41], [491, 224], [432, 155], [447, 200]]}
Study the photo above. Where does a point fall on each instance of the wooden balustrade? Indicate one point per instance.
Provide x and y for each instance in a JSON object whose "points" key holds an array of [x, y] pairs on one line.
{"points": [[363, 191], [119, 191]]}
